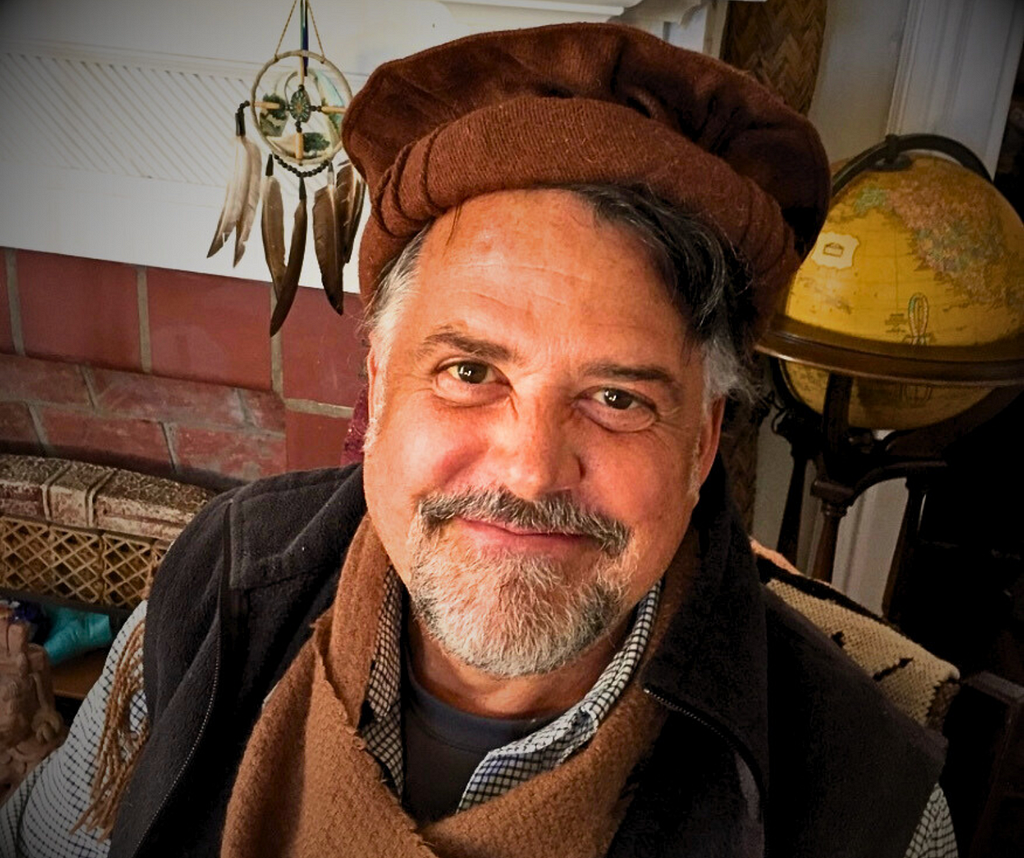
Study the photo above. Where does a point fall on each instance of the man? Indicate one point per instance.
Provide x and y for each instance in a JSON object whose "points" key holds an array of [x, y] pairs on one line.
{"points": [[548, 635]]}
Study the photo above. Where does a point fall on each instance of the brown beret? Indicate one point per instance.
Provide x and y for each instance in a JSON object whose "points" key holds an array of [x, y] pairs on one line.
{"points": [[587, 103]]}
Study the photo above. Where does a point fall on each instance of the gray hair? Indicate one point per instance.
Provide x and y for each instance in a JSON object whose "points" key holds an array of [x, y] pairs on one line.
{"points": [[706, 280]]}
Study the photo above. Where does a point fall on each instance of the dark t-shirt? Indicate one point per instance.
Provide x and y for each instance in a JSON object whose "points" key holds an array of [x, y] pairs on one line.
{"points": [[443, 746]]}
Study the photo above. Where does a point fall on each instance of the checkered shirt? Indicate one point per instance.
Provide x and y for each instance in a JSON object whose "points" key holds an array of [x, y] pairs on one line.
{"points": [[516, 762], [36, 821]]}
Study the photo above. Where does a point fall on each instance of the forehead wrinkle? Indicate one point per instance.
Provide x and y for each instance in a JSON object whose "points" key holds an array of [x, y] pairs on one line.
{"points": [[490, 258], [490, 280]]}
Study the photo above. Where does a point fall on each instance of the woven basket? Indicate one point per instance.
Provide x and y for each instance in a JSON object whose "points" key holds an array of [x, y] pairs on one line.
{"points": [[779, 43], [86, 533]]}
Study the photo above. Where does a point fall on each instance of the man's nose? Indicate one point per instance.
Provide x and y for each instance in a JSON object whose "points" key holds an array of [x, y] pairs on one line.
{"points": [[533, 451]]}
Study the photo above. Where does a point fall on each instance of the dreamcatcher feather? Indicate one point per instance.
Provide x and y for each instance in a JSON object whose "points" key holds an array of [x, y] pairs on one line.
{"points": [[301, 126]]}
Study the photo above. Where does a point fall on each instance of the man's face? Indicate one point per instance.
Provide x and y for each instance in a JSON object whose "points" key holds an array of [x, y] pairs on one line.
{"points": [[539, 431]]}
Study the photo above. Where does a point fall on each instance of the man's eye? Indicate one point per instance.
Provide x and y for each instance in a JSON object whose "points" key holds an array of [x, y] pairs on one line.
{"points": [[470, 373], [618, 410], [617, 399]]}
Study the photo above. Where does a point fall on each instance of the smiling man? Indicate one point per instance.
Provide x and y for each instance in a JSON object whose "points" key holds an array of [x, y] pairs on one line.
{"points": [[529, 623], [540, 429]]}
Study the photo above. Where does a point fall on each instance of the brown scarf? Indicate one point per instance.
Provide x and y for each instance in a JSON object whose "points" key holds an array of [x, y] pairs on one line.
{"points": [[307, 786]]}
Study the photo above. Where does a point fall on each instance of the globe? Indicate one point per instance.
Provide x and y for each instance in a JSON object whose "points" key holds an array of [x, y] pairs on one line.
{"points": [[930, 255]]}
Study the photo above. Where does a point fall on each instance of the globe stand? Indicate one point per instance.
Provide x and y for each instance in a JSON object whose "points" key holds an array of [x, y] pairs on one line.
{"points": [[849, 460]]}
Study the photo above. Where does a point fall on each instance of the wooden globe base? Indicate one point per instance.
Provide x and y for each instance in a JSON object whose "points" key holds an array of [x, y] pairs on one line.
{"points": [[849, 461]]}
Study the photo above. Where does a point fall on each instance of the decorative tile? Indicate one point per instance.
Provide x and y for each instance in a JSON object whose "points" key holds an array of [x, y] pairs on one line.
{"points": [[22, 479], [26, 555], [69, 495], [147, 506]]}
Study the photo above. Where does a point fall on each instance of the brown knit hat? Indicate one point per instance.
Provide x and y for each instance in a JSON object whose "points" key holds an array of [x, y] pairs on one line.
{"points": [[587, 103]]}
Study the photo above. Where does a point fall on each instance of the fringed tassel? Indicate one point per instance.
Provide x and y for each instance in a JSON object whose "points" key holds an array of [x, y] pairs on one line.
{"points": [[119, 745]]}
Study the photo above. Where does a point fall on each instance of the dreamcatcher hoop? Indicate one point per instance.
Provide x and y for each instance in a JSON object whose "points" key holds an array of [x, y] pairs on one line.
{"points": [[336, 206], [297, 109]]}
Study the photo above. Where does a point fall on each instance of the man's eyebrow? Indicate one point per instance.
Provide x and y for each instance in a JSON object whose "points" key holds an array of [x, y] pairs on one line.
{"points": [[485, 350]]}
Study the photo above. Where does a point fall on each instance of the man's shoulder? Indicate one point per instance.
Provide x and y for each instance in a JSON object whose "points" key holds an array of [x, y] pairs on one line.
{"points": [[304, 493], [856, 749], [263, 519], [286, 528]]}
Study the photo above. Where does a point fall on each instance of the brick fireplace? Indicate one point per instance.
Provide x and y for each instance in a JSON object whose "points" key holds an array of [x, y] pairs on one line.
{"points": [[171, 372]]}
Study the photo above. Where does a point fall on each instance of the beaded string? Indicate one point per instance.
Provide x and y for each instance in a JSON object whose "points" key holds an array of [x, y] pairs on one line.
{"points": [[302, 174]]}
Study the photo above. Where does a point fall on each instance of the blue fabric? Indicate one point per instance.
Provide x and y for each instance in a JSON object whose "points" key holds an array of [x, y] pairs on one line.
{"points": [[75, 632]]}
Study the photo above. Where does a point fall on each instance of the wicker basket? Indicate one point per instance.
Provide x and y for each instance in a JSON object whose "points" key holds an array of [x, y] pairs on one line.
{"points": [[779, 43], [86, 533]]}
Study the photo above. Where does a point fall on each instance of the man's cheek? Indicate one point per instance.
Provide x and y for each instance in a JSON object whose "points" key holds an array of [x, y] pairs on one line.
{"points": [[442, 449]]}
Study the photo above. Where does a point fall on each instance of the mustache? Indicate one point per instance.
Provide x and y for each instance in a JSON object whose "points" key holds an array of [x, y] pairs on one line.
{"points": [[557, 513]]}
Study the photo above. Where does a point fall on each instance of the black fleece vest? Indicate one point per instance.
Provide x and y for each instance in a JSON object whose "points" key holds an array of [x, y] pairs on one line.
{"points": [[749, 683]]}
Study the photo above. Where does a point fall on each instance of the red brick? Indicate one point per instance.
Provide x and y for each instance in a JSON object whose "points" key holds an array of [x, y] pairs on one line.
{"points": [[6, 338], [314, 440], [105, 440], [17, 432], [79, 309], [41, 381], [265, 408], [171, 400], [322, 351], [231, 454], [209, 328]]}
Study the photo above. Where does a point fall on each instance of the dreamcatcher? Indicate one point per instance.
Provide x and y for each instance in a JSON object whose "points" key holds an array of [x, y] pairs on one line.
{"points": [[297, 104]]}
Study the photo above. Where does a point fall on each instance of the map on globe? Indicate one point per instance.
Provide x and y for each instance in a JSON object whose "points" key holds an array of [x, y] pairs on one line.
{"points": [[930, 255]]}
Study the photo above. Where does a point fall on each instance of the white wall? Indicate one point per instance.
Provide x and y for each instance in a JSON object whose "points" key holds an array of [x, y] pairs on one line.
{"points": [[858, 69]]}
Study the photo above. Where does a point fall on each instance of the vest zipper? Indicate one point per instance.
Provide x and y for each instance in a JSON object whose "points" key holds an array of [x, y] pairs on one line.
{"points": [[211, 701], [188, 758], [671, 704], [674, 706]]}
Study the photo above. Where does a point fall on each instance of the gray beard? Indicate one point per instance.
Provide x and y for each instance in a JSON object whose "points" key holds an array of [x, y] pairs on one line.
{"points": [[510, 615]]}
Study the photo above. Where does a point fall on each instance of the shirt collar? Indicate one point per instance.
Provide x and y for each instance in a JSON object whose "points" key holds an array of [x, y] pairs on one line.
{"points": [[541, 750]]}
